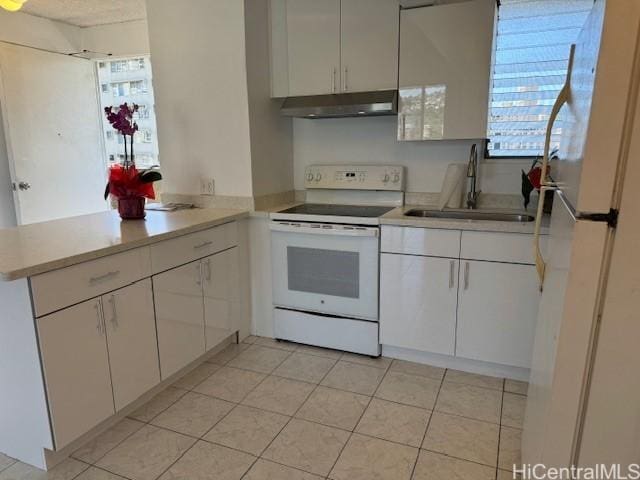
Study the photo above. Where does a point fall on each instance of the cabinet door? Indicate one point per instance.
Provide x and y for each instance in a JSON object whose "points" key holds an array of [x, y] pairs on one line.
{"points": [[132, 341], [313, 40], [369, 45], [179, 317], [418, 302], [445, 61], [73, 345], [497, 312], [221, 287]]}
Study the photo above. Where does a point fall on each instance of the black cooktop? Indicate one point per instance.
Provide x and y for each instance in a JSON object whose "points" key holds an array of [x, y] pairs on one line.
{"points": [[366, 211]]}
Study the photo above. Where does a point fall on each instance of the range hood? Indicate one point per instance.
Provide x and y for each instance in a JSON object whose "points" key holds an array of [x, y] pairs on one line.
{"points": [[357, 104]]}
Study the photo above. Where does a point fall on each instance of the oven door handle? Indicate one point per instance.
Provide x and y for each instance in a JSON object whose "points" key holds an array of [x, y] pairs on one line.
{"points": [[342, 232]]}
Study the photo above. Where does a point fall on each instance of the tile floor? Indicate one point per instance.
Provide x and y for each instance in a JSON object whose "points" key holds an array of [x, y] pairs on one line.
{"points": [[266, 410]]}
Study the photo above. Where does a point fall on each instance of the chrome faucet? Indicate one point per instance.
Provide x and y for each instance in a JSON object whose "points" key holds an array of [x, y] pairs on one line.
{"points": [[472, 175]]}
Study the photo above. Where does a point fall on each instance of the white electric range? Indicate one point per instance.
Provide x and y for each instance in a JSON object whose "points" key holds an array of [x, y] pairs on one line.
{"points": [[325, 257]]}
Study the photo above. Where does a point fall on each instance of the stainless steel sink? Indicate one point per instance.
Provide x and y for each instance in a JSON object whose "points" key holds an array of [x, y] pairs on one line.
{"points": [[470, 215]]}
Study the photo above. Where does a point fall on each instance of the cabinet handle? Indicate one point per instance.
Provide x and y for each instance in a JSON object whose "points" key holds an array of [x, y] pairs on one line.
{"points": [[99, 317], [403, 119], [199, 274], [202, 245], [452, 266], [207, 265], [333, 80], [114, 315], [345, 81], [102, 278], [466, 275]]}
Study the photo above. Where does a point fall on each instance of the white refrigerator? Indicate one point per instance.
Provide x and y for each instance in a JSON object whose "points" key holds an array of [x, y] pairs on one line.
{"points": [[589, 316]]}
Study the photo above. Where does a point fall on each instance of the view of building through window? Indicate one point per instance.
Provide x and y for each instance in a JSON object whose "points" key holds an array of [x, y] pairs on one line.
{"points": [[129, 80], [532, 45]]}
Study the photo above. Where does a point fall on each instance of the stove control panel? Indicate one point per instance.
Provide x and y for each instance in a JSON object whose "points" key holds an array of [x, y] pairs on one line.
{"points": [[355, 177]]}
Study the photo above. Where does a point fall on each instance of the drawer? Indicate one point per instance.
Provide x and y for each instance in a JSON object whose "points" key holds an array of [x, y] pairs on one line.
{"points": [[498, 247], [61, 288], [421, 241], [187, 248]]}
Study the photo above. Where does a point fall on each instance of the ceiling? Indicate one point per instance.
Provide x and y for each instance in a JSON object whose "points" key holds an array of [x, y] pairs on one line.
{"points": [[87, 13]]}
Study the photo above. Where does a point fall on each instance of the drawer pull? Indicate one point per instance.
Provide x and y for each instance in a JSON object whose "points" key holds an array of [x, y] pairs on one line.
{"points": [[102, 278], [202, 245]]}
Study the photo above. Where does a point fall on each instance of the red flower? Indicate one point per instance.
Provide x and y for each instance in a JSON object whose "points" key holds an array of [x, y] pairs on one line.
{"points": [[122, 119]]}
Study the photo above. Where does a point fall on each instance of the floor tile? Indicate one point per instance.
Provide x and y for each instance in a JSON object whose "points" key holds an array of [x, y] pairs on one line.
{"points": [[280, 395], [378, 362], [419, 369], [146, 454], [230, 384], [94, 473], [365, 458], [194, 414], [463, 438], [251, 339], [409, 389], [513, 407], [265, 470], [474, 379], [229, 353], [247, 429], [510, 445], [335, 408], [158, 404], [319, 351], [516, 386], [507, 475], [308, 368], [433, 466], [273, 343], [259, 359], [196, 376], [395, 422], [5, 461], [308, 446], [103, 443], [354, 378], [469, 401], [66, 470], [205, 461]]}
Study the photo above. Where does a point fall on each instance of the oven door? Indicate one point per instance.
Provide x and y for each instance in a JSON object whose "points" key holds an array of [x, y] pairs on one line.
{"points": [[331, 269]]}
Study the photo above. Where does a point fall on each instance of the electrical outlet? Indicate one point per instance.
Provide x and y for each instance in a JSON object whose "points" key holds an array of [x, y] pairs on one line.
{"points": [[207, 186]]}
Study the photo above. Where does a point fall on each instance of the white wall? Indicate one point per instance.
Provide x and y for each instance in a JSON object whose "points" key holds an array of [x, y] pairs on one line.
{"points": [[271, 133], [198, 56], [39, 32], [121, 39], [373, 140]]}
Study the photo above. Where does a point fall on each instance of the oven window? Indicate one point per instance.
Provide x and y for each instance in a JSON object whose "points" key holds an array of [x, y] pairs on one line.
{"points": [[325, 272]]}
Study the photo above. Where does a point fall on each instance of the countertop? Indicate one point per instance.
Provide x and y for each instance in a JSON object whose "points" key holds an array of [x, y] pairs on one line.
{"points": [[41, 247], [397, 217]]}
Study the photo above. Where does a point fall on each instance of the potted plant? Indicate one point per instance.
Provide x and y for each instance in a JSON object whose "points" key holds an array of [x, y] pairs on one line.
{"points": [[129, 186]]}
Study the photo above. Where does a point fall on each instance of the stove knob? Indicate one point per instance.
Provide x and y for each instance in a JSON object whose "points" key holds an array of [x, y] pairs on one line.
{"points": [[318, 177], [396, 178], [385, 178], [309, 176]]}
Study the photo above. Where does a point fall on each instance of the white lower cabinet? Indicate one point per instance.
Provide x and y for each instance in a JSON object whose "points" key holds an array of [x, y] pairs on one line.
{"points": [[418, 302], [221, 288], [131, 338], [179, 317], [73, 346], [497, 312]]}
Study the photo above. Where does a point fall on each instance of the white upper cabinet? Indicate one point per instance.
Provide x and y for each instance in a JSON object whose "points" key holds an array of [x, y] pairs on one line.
{"points": [[444, 73], [369, 45], [313, 43], [333, 46]]}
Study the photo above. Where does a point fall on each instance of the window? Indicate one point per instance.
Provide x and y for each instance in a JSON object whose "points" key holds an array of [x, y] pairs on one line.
{"points": [[533, 39], [129, 80]]}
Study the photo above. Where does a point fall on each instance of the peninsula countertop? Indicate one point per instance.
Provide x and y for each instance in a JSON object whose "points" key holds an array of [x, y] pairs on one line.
{"points": [[41, 247]]}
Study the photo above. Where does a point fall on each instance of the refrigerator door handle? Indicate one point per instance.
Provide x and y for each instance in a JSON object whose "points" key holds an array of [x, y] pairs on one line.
{"points": [[563, 97]]}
